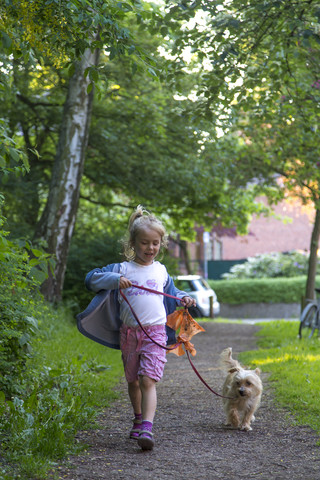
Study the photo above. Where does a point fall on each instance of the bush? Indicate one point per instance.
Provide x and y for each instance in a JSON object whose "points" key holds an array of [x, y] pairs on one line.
{"points": [[266, 290], [20, 278], [18, 296], [271, 265], [49, 405], [40, 409], [38, 427], [66, 383]]}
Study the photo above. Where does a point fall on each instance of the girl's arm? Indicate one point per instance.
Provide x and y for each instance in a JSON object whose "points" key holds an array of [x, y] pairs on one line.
{"points": [[106, 278], [188, 301], [185, 299]]}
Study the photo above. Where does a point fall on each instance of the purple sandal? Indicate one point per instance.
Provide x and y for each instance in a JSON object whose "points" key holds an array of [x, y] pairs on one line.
{"points": [[136, 429], [145, 440]]}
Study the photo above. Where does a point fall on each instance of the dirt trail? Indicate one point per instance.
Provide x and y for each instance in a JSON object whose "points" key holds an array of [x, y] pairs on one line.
{"points": [[191, 441]]}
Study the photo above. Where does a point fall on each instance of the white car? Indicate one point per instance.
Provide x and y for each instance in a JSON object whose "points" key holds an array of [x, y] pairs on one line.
{"points": [[197, 287]]}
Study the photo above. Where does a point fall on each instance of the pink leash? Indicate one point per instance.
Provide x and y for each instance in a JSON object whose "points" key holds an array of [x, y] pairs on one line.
{"points": [[162, 346]]}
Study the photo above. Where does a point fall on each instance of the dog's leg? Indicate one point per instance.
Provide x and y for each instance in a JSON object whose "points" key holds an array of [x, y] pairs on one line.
{"points": [[233, 418], [246, 421]]}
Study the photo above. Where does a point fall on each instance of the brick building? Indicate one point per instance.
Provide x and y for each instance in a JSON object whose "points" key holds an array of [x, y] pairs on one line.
{"points": [[289, 228]]}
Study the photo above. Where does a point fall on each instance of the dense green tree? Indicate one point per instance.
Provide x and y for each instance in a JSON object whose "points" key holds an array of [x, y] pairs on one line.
{"points": [[76, 30], [260, 83], [145, 145]]}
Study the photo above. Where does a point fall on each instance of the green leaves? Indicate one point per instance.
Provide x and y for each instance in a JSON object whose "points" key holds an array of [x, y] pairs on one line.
{"points": [[12, 159], [18, 297], [38, 427], [6, 40], [60, 31]]}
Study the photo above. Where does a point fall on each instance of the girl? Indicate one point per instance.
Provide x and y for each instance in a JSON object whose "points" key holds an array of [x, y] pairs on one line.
{"points": [[143, 360]]}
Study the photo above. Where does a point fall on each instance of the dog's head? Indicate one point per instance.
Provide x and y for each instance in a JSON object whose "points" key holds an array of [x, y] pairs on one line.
{"points": [[246, 383]]}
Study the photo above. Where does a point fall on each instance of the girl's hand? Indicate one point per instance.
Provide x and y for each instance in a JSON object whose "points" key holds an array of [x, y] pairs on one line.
{"points": [[124, 283], [188, 302]]}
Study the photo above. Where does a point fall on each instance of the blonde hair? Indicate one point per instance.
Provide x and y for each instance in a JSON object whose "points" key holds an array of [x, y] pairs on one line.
{"points": [[139, 220]]}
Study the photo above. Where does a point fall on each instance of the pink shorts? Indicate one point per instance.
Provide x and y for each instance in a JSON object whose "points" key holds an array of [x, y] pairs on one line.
{"points": [[140, 355]]}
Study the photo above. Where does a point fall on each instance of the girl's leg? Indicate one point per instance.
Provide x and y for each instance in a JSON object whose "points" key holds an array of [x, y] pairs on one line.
{"points": [[128, 344], [149, 404], [148, 397], [135, 396]]}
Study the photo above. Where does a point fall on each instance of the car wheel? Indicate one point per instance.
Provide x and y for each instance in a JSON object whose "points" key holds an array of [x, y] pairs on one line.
{"points": [[195, 312]]}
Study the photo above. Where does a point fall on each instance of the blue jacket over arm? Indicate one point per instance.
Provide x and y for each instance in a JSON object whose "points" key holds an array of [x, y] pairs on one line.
{"points": [[100, 321]]}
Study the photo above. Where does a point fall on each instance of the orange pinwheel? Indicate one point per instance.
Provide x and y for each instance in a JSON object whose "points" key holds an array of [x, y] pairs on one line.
{"points": [[181, 320]]}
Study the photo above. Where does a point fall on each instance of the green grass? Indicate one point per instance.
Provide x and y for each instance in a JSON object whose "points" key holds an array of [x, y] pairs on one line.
{"points": [[294, 368], [97, 369]]}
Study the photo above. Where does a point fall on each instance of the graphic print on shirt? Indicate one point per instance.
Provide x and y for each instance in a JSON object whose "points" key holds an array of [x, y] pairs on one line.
{"points": [[153, 284]]}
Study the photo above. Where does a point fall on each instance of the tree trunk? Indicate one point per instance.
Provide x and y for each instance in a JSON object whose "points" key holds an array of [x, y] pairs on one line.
{"points": [[186, 255], [313, 259], [57, 222]]}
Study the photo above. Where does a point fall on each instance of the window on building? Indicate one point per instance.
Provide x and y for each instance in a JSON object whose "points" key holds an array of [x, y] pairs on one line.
{"points": [[217, 248]]}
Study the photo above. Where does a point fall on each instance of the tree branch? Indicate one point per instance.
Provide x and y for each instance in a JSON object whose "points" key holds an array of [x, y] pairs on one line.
{"points": [[36, 104], [107, 204]]}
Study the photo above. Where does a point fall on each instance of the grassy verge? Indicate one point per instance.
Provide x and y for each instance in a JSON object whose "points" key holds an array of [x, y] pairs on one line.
{"points": [[97, 369], [68, 380], [294, 367]]}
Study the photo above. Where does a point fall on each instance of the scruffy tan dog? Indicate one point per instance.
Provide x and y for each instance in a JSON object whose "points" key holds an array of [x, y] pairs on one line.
{"points": [[244, 389]]}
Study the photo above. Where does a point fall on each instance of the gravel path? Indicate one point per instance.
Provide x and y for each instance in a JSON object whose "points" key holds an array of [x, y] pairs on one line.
{"points": [[191, 440]]}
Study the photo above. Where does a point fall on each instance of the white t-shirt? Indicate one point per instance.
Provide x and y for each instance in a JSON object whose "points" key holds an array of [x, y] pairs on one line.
{"points": [[149, 307]]}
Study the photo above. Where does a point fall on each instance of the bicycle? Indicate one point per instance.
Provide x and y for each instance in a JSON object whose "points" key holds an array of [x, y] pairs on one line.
{"points": [[310, 318]]}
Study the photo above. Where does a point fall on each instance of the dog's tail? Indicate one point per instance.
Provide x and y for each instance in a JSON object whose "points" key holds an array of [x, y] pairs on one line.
{"points": [[226, 360]]}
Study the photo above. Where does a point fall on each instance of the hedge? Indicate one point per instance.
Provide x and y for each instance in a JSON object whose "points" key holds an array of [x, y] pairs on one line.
{"points": [[265, 290]]}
